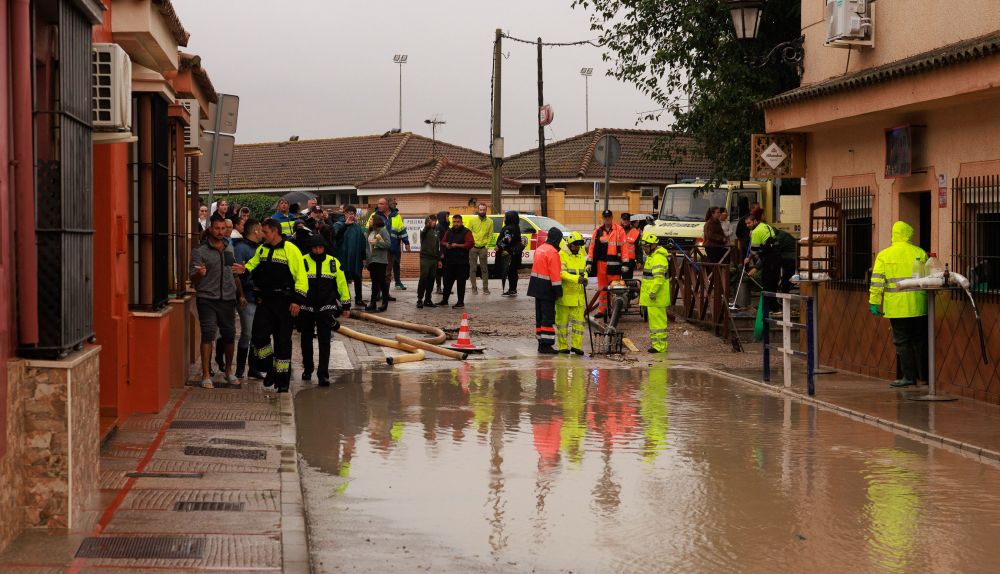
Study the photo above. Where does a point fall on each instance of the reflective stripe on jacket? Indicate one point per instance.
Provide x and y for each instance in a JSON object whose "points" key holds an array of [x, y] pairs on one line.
{"points": [[573, 267], [891, 265], [655, 288], [287, 223], [546, 274], [278, 269], [610, 247], [327, 283], [631, 239]]}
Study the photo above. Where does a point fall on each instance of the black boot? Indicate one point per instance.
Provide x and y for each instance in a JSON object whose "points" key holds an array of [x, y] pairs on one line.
{"points": [[241, 361]]}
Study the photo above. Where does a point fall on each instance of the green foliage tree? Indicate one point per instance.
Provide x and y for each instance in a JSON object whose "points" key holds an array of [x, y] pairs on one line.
{"points": [[684, 55], [261, 205]]}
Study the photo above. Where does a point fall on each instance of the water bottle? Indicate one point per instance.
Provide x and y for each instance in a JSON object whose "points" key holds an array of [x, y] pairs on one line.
{"points": [[932, 266], [918, 268]]}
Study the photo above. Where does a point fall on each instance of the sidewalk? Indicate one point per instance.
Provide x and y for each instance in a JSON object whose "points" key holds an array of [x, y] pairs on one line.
{"points": [[964, 426], [209, 483]]}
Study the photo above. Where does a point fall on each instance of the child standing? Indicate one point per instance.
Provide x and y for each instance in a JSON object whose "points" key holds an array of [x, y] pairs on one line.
{"points": [[430, 260]]}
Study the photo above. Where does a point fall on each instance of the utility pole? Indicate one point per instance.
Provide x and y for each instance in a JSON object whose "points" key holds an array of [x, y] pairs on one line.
{"points": [[541, 137], [496, 146], [400, 59]]}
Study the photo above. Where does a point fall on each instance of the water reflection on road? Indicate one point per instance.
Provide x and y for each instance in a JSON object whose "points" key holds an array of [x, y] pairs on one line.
{"points": [[566, 467]]}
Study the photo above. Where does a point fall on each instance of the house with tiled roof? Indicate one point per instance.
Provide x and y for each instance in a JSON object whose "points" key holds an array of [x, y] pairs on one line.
{"points": [[434, 184], [650, 160], [335, 168]]}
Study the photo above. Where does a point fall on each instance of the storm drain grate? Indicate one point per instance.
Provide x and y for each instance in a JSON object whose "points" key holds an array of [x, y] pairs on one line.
{"points": [[217, 425], [236, 442], [156, 547], [251, 454], [204, 506], [165, 474]]}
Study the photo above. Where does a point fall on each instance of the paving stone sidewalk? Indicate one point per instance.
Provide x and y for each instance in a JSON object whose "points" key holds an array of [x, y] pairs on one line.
{"points": [[209, 483]]}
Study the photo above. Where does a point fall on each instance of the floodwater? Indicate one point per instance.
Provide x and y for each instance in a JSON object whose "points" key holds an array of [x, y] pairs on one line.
{"points": [[568, 468]]}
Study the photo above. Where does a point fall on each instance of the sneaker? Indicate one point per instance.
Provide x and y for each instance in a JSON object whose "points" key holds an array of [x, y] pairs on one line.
{"points": [[486, 291], [475, 289], [458, 305], [401, 286], [233, 381], [306, 375], [420, 304], [207, 384], [255, 375], [512, 294], [902, 383], [429, 303], [578, 351]]}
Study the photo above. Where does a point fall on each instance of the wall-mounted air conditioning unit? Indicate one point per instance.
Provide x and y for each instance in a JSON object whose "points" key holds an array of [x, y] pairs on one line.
{"points": [[850, 23], [192, 135], [112, 91]]}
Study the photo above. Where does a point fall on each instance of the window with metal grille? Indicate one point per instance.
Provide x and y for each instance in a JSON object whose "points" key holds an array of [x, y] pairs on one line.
{"points": [[149, 203], [975, 227], [855, 246]]}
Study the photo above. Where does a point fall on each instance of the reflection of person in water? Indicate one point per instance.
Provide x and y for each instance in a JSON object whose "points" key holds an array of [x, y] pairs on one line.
{"points": [[329, 421], [571, 390], [654, 410], [442, 407], [546, 422], [385, 424]]}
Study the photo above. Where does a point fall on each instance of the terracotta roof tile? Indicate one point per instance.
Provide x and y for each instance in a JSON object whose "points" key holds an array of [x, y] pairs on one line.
{"points": [[193, 63], [173, 22], [438, 173], [957, 53], [345, 161], [573, 159]]}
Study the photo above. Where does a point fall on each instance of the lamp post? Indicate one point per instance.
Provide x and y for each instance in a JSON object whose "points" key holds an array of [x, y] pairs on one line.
{"points": [[746, 22], [400, 59], [586, 73]]}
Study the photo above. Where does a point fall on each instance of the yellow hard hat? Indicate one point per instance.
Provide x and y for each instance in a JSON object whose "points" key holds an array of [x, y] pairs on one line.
{"points": [[574, 237], [651, 238]]}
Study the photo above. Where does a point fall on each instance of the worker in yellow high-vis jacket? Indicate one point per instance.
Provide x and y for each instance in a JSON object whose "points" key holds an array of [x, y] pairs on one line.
{"points": [[905, 310], [571, 306], [654, 293]]}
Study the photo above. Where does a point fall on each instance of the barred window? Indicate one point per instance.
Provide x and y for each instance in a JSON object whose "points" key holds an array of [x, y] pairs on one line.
{"points": [[975, 229], [149, 201], [855, 247]]}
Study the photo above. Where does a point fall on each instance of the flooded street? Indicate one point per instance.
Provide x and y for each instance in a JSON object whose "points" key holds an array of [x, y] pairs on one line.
{"points": [[565, 468]]}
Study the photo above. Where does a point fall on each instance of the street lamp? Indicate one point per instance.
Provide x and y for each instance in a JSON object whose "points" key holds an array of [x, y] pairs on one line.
{"points": [[746, 22], [586, 73], [746, 17], [400, 59]]}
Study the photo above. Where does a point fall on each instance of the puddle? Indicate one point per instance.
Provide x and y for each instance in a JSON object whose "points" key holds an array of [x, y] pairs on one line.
{"points": [[575, 469]]}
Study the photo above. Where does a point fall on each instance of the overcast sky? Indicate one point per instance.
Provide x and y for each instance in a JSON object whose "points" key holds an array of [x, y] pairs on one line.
{"points": [[322, 68]]}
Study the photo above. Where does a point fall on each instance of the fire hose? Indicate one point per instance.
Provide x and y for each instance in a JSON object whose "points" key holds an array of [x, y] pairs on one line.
{"points": [[413, 348]]}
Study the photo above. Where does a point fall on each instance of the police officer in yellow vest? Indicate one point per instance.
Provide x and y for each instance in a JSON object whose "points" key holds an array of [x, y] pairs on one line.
{"points": [[654, 294], [571, 306], [906, 310], [327, 295]]}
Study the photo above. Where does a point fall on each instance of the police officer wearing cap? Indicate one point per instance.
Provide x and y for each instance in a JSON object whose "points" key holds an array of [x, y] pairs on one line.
{"points": [[327, 295], [654, 294]]}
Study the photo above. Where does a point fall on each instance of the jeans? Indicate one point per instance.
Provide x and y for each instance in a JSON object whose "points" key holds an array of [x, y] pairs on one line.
{"points": [[477, 261], [455, 273], [428, 270], [380, 284], [246, 323], [396, 259]]}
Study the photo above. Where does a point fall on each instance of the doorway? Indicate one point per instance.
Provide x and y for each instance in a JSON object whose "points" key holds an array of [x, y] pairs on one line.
{"points": [[915, 209]]}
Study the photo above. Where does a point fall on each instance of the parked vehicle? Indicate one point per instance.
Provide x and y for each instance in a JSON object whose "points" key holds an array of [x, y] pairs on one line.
{"points": [[682, 211], [534, 230]]}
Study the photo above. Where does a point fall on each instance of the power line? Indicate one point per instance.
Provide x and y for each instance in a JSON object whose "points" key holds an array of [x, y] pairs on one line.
{"points": [[594, 43]]}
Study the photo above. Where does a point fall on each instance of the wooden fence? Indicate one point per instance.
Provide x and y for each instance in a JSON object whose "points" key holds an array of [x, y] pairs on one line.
{"points": [[700, 291]]}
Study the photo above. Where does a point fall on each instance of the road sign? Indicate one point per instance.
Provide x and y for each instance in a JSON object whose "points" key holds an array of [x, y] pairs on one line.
{"points": [[608, 151], [223, 152], [545, 115], [230, 112]]}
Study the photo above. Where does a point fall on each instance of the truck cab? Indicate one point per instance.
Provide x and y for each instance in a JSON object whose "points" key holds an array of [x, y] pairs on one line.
{"points": [[681, 217]]}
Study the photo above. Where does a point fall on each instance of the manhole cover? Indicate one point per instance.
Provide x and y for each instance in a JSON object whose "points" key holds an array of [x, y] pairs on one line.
{"points": [[251, 454], [219, 425], [203, 506], [236, 442], [157, 547]]}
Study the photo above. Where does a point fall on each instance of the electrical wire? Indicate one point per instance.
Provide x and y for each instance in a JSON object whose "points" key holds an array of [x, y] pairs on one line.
{"points": [[595, 43]]}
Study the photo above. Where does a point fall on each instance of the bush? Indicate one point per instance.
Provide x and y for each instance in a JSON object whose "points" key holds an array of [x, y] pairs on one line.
{"points": [[261, 205]]}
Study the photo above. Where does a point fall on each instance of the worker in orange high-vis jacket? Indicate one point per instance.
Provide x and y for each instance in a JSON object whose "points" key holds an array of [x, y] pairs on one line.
{"points": [[545, 286], [632, 250], [607, 258]]}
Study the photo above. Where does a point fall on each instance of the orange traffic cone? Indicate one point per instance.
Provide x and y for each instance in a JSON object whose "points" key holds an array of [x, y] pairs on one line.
{"points": [[464, 342]]}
